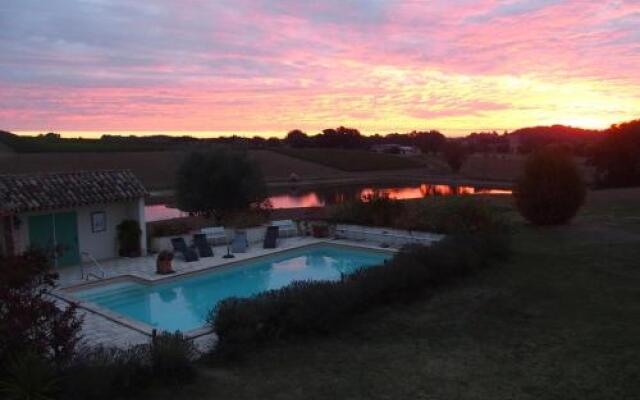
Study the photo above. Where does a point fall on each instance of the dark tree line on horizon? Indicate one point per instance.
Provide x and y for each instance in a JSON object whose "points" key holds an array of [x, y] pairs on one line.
{"points": [[614, 152]]}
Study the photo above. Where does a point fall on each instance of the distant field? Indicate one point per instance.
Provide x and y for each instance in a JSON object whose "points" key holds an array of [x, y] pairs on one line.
{"points": [[28, 144], [157, 170], [505, 167], [352, 160]]}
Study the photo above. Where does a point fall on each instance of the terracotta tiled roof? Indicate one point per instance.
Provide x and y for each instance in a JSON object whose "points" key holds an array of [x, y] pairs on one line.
{"points": [[48, 191]]}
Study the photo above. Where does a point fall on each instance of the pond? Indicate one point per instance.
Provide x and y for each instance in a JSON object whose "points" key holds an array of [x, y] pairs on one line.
{"points": [[320, 197]]}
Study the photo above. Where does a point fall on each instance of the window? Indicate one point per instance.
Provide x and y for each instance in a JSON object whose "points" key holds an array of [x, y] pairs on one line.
{"points": [[98, 222]]}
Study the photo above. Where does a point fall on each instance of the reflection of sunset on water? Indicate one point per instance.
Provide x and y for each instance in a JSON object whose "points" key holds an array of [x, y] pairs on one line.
{"points": [[425, 190], [321, 197], [295, 201]]}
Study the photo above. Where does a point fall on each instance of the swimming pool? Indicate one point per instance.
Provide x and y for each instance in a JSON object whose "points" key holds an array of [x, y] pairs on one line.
{"points": [[183, 303]]}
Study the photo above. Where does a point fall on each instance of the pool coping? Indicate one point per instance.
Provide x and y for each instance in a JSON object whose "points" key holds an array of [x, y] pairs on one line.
{"points": [[66, 293]]}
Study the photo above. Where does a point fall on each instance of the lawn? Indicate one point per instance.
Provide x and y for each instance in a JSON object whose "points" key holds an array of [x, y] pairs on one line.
{"points": [[352, 160], [561, 320]]}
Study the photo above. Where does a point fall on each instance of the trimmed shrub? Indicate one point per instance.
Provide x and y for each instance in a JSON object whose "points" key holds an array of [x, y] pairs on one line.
{"points": [[551, 190], [452, 215], [318, 307], [106, 373], [448, 215], [171, 356]]}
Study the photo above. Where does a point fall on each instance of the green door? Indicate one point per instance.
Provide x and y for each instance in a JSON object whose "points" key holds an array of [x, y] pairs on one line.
{"points": [[42, 234], [66, 227], [57, 235]]}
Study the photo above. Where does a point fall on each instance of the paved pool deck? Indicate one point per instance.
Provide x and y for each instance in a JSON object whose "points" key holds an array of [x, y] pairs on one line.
{"points": [[99, 330]]}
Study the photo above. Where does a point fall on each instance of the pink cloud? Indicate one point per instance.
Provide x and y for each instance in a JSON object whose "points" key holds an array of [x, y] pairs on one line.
{"points": [[274, 65]]}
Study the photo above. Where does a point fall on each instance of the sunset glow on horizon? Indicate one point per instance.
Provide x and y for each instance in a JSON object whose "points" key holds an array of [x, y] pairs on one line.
{"points": [[264, 67]]}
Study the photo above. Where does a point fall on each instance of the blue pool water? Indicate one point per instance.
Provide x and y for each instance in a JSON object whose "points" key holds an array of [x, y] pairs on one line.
{"points": [[184, 303]]}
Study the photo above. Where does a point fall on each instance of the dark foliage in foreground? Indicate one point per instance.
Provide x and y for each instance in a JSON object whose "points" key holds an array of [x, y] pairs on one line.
{"points": [[551, 190], [102, 373], [304, 308], [30, 321]]}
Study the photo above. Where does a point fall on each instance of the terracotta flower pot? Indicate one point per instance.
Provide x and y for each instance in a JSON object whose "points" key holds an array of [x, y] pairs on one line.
{"points": [[163, 263]]}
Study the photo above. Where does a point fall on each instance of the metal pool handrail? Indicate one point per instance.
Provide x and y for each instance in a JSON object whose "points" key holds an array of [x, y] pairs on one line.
{"points": [[87, 275]]}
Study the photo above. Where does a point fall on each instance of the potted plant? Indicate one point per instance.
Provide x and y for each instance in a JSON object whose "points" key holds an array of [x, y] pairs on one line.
{"points": [[129, 238], [163, 262]]}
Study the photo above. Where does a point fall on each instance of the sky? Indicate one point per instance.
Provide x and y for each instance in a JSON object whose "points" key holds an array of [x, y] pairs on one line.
{"points": [[86, 67]]}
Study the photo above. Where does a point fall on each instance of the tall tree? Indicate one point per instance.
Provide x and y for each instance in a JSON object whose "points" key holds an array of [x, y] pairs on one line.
{"points": [[218, 182], [617, 157], [296, 138], [429, 142], [455, 154]]}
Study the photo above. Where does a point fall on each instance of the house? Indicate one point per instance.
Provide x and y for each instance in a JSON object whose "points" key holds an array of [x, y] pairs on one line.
{"points": [[69, 214], [396, 149]]}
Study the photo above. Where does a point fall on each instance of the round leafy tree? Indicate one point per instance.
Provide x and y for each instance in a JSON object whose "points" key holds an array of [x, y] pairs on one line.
{"points": [[551, 190], [218, 182]]}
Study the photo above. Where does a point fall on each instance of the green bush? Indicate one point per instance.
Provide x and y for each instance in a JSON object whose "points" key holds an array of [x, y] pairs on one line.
{"points": [[107, 373], [29, 376], [551, 190], [304, 308], [452, 215], [374, 209], [448, 215], [171, 356]]}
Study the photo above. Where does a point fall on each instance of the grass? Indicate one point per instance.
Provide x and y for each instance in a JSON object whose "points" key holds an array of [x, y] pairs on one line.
{"points": [[352, 160], [558, 321]]}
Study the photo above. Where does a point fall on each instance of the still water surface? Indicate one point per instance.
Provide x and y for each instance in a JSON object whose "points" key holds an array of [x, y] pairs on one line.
{"points": [[320, 197]]}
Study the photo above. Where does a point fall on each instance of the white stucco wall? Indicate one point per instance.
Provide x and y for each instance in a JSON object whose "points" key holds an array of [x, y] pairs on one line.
{"points": [[101, 245]]}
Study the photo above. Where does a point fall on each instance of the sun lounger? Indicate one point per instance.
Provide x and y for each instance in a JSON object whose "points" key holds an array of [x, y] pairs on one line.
{"points": [[215, 235], [180, 246], [239, 243], [203, 246], [271, 237], [286, 227]]}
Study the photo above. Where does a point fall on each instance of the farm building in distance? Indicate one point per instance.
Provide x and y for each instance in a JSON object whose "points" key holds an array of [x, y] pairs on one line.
{"points": [[69, 214], [396, 149]]}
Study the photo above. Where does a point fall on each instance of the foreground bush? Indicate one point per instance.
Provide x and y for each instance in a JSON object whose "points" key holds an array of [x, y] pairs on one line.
{"points": [[107, 373], [98, 373], [171, 357], [551, 190], [30, 321], [304, 308], [28, 376]]}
